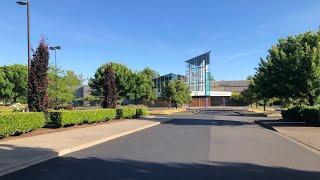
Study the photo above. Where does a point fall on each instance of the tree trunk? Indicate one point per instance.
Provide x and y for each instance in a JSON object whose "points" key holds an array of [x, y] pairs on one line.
{"points": [[15, 99], [311, 101], [264, 104]]}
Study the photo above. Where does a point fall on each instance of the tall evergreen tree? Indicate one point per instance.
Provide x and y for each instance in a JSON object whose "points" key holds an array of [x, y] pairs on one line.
{"points": [[110, 94], [38, 82]]}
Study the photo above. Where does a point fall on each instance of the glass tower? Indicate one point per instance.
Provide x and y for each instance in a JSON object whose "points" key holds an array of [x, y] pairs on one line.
{"points": [[198, 75]]}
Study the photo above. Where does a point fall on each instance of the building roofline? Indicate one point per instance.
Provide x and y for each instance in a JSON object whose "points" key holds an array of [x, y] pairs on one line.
{"points": [[169, 75], [198, 56]]}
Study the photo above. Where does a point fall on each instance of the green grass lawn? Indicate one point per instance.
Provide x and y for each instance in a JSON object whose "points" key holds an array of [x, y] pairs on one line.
{"points": [[11, 108], [5, 109]]}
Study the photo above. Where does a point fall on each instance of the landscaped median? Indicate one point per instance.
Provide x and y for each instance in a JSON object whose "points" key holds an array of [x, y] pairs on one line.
{"points": [[165, 111], [130, 112], [68, 118], [308, 114], [22, 122]]}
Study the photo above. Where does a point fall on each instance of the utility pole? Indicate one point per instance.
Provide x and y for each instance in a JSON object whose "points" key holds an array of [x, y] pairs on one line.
{"points": [[55, 48]]}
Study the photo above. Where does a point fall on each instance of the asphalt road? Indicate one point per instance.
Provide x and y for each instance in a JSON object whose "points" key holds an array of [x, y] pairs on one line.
{"points": [[207, 145]]}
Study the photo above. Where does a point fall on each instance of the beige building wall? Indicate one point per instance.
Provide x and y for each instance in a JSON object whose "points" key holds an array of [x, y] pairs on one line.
{"points": [[235, 86]]}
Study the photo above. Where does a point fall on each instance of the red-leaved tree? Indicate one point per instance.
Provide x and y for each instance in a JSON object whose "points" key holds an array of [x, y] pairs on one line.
{"points": [[110, 94], [38, 81]]}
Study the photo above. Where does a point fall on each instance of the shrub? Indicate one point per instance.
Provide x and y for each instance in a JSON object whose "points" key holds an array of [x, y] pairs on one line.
{"points": [[101, 115], [64, 107], [126, 112], [237, 99], [142, 111], [308, 114], [293, 113], [68, 118], [311, 115], [17, 123]]}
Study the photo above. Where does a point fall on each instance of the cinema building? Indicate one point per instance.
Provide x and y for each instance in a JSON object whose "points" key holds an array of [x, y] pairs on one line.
{"points": [[198, 78]]}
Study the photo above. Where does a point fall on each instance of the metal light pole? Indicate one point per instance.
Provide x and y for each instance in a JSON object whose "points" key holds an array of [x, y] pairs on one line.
{"points": [[27, 3], [55, 48]]}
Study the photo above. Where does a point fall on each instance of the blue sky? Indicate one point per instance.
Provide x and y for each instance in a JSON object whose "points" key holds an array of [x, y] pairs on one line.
{"points": [[161, 34]]}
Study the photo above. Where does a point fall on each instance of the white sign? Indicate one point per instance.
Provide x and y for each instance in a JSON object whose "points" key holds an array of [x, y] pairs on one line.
{"points": [[212, 93]]}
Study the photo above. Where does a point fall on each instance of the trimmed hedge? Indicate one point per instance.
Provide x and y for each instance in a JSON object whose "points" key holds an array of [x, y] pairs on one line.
{"points": [[17, 123], [127, 112], [308, 114], [293, 113], [142, 111], [311, 115], [68, 118]]}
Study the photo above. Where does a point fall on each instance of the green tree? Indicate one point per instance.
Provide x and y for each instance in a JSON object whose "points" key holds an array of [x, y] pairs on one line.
{"points": [[150, 73], [15, 84], [263, 85], [110, 94], [238, 99], [5, 86], [176, 92], [135, 86], [142, 87], [92, 99], [292, 69], [249, 94], [70, 82], [124, 77], [63, 85], [17, 74]]}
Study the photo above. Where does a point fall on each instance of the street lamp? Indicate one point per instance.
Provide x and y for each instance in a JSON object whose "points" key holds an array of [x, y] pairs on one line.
{"points": [[55, 48], [27, 3]]}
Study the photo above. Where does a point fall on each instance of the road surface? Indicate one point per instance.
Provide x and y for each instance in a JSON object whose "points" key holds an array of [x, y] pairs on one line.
{"points": [[206, 145]]}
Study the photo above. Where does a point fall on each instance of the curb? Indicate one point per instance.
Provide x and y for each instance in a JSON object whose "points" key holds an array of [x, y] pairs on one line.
{"points": [[52, 155], [264, 125], [258, 114], [291, 139]]}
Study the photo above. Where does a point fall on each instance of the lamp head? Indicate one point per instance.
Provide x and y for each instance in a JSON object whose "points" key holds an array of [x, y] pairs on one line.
{"points": [[22, 3], [55, 48]]}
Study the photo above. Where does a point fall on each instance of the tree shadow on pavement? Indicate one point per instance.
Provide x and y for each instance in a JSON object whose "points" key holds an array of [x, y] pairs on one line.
{"points": [[204, 122], [272, 124], [12, 156], [93, 168], [218, 113], [285, 123]]}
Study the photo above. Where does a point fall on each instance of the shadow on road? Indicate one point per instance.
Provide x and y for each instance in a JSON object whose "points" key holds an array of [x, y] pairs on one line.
{"points": [[12, 156], [218, 113], [250, 114], [271, 124], [94, 168], [204, 122], [285, 123]]}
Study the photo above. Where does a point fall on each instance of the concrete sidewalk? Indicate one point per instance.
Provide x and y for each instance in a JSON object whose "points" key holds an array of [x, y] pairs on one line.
{"points": [[21, 153], [298, 132]]}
